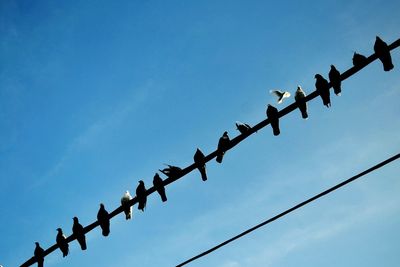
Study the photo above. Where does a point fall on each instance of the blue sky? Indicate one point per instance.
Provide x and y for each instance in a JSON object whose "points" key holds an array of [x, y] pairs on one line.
{"points": [[95, 96]]}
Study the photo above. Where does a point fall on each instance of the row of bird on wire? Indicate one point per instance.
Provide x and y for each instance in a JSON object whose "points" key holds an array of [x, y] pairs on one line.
{"points": [[322, 86]]}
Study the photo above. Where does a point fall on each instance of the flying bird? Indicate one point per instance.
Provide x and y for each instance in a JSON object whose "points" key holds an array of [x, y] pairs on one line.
{"points": [[199, 160], [103, 217], [141, 195], [39, 254], [159, 186], [171, 171], [281, 95], [359, 60], [272, 114], [322, 87], [336, 82], [78, 231], [242, 127], [300, 98], [62, 243], [125, 205], [383, 52], [223, 145]]}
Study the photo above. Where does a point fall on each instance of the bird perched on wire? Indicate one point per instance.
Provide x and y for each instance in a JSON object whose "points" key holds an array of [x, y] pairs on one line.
{"points": [[359, 60], [272, 114], [223, 145], [79, 233], [336, 82], [242, 127], [159, 186], [300, 98], [281, 95], [322, 87], [141, 195], [126, 198], [171, 171], [383, 52], [62, 243], [199, 160], [103, 217], [39, 254]]}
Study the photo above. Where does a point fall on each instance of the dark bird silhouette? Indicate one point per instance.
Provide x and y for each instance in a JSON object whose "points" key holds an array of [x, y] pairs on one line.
{"points": [[199, 160], [159, 186], [359, 60], [141, 195], [125, 205], [39, 255], [383, 52], [223, 145], [300, 98], [171, 171], [78, 231], [62, 243], [103, 217], [272, 114], [242, 127], [281, 95], [322, 87], [336, 82]]}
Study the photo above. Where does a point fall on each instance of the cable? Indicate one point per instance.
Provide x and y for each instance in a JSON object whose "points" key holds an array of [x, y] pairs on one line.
{"points": [[212, 155], [377, 166]]}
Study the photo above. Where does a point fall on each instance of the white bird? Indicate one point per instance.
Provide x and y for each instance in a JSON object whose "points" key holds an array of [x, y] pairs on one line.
{"points": [[125, 204], [281, 95]]}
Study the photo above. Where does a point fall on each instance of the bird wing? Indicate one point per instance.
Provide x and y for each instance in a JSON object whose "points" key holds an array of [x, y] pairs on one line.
{"points": [[278, 93]]}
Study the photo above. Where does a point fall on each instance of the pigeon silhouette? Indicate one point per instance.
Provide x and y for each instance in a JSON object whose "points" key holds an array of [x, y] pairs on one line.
{"points": [[242, 127], [281, 95], [322, 87], [159, 186], [62, 243], [272, 114], [141, 195], [359, 60], [103, 217], [172, 171], [199, 160], [383, 52], [223, 145], [300, 98], [336, 82], [78, 231], [39, 254], [125, 205]]}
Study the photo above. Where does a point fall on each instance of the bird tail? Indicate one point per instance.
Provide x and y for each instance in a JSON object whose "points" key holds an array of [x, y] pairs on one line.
{"points": [[220, 157], [203, 173], [106, 231], [304, 114], [164, 197]]}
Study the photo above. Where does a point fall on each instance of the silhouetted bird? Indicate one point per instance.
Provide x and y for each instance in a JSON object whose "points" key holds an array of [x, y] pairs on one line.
{"points": [[171, 171], [77, 230], [103, 217], [336, 82], [223, 145], [383, 52], [159, 185], [39, 255], [199, 160], [272, 114], [359, 60], [141, 195], [300, 98], [62, 243], [322, 87], [125, 205], [281, 95], [242, 127]]}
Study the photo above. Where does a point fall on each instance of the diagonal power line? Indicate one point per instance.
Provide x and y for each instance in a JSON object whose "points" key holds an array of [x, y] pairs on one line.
{"points": [[353, 70], [330, 190]]}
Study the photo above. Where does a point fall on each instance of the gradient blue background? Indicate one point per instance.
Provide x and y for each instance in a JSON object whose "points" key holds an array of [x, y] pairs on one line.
{"points": [[96, 95]]}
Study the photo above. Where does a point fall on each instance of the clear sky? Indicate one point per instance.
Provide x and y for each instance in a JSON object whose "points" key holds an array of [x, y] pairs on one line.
{"points": [[96, 95]]}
